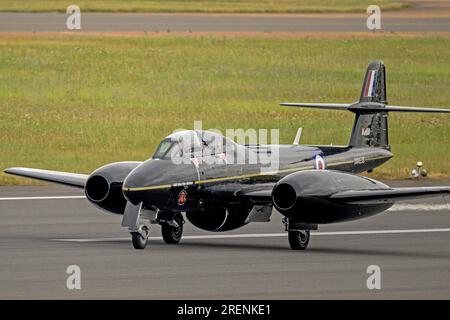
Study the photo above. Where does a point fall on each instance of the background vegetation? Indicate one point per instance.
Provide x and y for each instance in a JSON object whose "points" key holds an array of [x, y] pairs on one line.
{"points": [[75, 103]]}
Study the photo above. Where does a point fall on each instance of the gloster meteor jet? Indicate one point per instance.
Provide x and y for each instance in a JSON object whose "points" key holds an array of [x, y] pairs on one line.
{"points": [[311, 185]]}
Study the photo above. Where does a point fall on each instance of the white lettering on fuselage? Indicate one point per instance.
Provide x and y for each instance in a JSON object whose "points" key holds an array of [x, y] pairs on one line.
{"points": [[181, 184]]}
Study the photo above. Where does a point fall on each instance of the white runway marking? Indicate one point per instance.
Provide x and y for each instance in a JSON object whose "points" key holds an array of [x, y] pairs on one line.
{"points": [[420, 207], [42, 198], [267, 235]]}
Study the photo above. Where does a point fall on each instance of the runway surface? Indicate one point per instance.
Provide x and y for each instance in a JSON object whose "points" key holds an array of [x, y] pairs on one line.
{"points": [[41, 237], [213, 23], [425, 16]]}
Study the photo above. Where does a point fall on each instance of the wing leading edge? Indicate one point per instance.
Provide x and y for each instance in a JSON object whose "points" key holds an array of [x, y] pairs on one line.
{"points": [[66, 178], [362, 196]]}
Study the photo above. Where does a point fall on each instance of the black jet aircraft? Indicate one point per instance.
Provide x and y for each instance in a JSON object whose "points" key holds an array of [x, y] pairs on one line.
{"points": [[311, 185]]}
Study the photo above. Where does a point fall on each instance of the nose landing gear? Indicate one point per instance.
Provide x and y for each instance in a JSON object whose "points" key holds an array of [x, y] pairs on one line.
{"points": [[171, 224], [140, 237]]}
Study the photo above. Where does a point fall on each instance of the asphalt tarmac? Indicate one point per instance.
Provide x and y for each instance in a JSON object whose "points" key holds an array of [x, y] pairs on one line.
{"points": [[411, 20], [41, 237]]}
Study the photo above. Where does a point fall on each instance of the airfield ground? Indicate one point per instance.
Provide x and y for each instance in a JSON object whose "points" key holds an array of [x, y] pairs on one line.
{"points": [[40, 238]]}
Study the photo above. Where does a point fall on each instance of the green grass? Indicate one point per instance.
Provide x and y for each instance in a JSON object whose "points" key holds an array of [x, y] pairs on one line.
{"points": [[76, 103], [232, 6]]}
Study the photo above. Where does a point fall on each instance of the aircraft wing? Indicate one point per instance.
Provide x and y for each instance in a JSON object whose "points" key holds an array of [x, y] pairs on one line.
{"points": [[65, 178], [383, 195], [262, 194]]}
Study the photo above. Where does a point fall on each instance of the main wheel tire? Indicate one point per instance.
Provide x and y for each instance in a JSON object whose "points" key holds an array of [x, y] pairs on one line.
{"points": [[140, 241], [171, 234], [298, 240]]}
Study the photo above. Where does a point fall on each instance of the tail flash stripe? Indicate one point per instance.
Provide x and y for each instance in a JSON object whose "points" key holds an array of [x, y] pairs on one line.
{"points": [[367, 83], [370, 83], [374, 84]]}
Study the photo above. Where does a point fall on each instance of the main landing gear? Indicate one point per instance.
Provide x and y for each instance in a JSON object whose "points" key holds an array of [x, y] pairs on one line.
{"points": [[298, 240], [172, 231], [298, 233]]}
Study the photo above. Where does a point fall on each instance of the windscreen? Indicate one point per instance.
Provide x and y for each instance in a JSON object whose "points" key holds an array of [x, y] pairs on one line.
{"points": [[163, 151]]}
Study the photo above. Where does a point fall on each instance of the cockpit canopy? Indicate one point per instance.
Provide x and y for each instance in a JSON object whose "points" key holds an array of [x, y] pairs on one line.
{"points": [[193, 143]]}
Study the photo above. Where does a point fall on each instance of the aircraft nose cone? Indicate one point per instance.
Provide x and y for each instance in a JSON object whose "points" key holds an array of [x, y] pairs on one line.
{"points": [[151, 173], [151, 181], [147, 183]]}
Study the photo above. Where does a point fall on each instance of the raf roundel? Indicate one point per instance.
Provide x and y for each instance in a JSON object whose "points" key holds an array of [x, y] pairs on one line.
{"points": [[319, 163], [182, 197]]}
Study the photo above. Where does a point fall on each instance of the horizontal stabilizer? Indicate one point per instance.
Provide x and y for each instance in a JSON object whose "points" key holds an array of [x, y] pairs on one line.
{"points": [[330, 106], [65, 178], [385, 195], [363, 107], [415, 109]]}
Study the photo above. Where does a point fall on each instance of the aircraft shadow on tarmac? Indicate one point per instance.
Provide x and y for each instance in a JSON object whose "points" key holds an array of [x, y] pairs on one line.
{"points": [[156, 245]]}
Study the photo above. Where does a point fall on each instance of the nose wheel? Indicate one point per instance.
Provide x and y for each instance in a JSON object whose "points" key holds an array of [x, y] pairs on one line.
{"points": [[298, 239], [172, 232], [140, 237]]}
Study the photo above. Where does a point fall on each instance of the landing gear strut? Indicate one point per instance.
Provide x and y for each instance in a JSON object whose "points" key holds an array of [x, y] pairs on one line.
{"points": [[172, 231], [140, 237]]}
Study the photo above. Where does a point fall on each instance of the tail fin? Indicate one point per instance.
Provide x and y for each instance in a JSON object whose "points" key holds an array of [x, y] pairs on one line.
{"points": [[374, 86], [370, 128]]}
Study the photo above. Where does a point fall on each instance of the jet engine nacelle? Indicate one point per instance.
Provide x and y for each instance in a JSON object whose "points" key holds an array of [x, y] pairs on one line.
{"points": [[305, 196], [104, 186]]}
